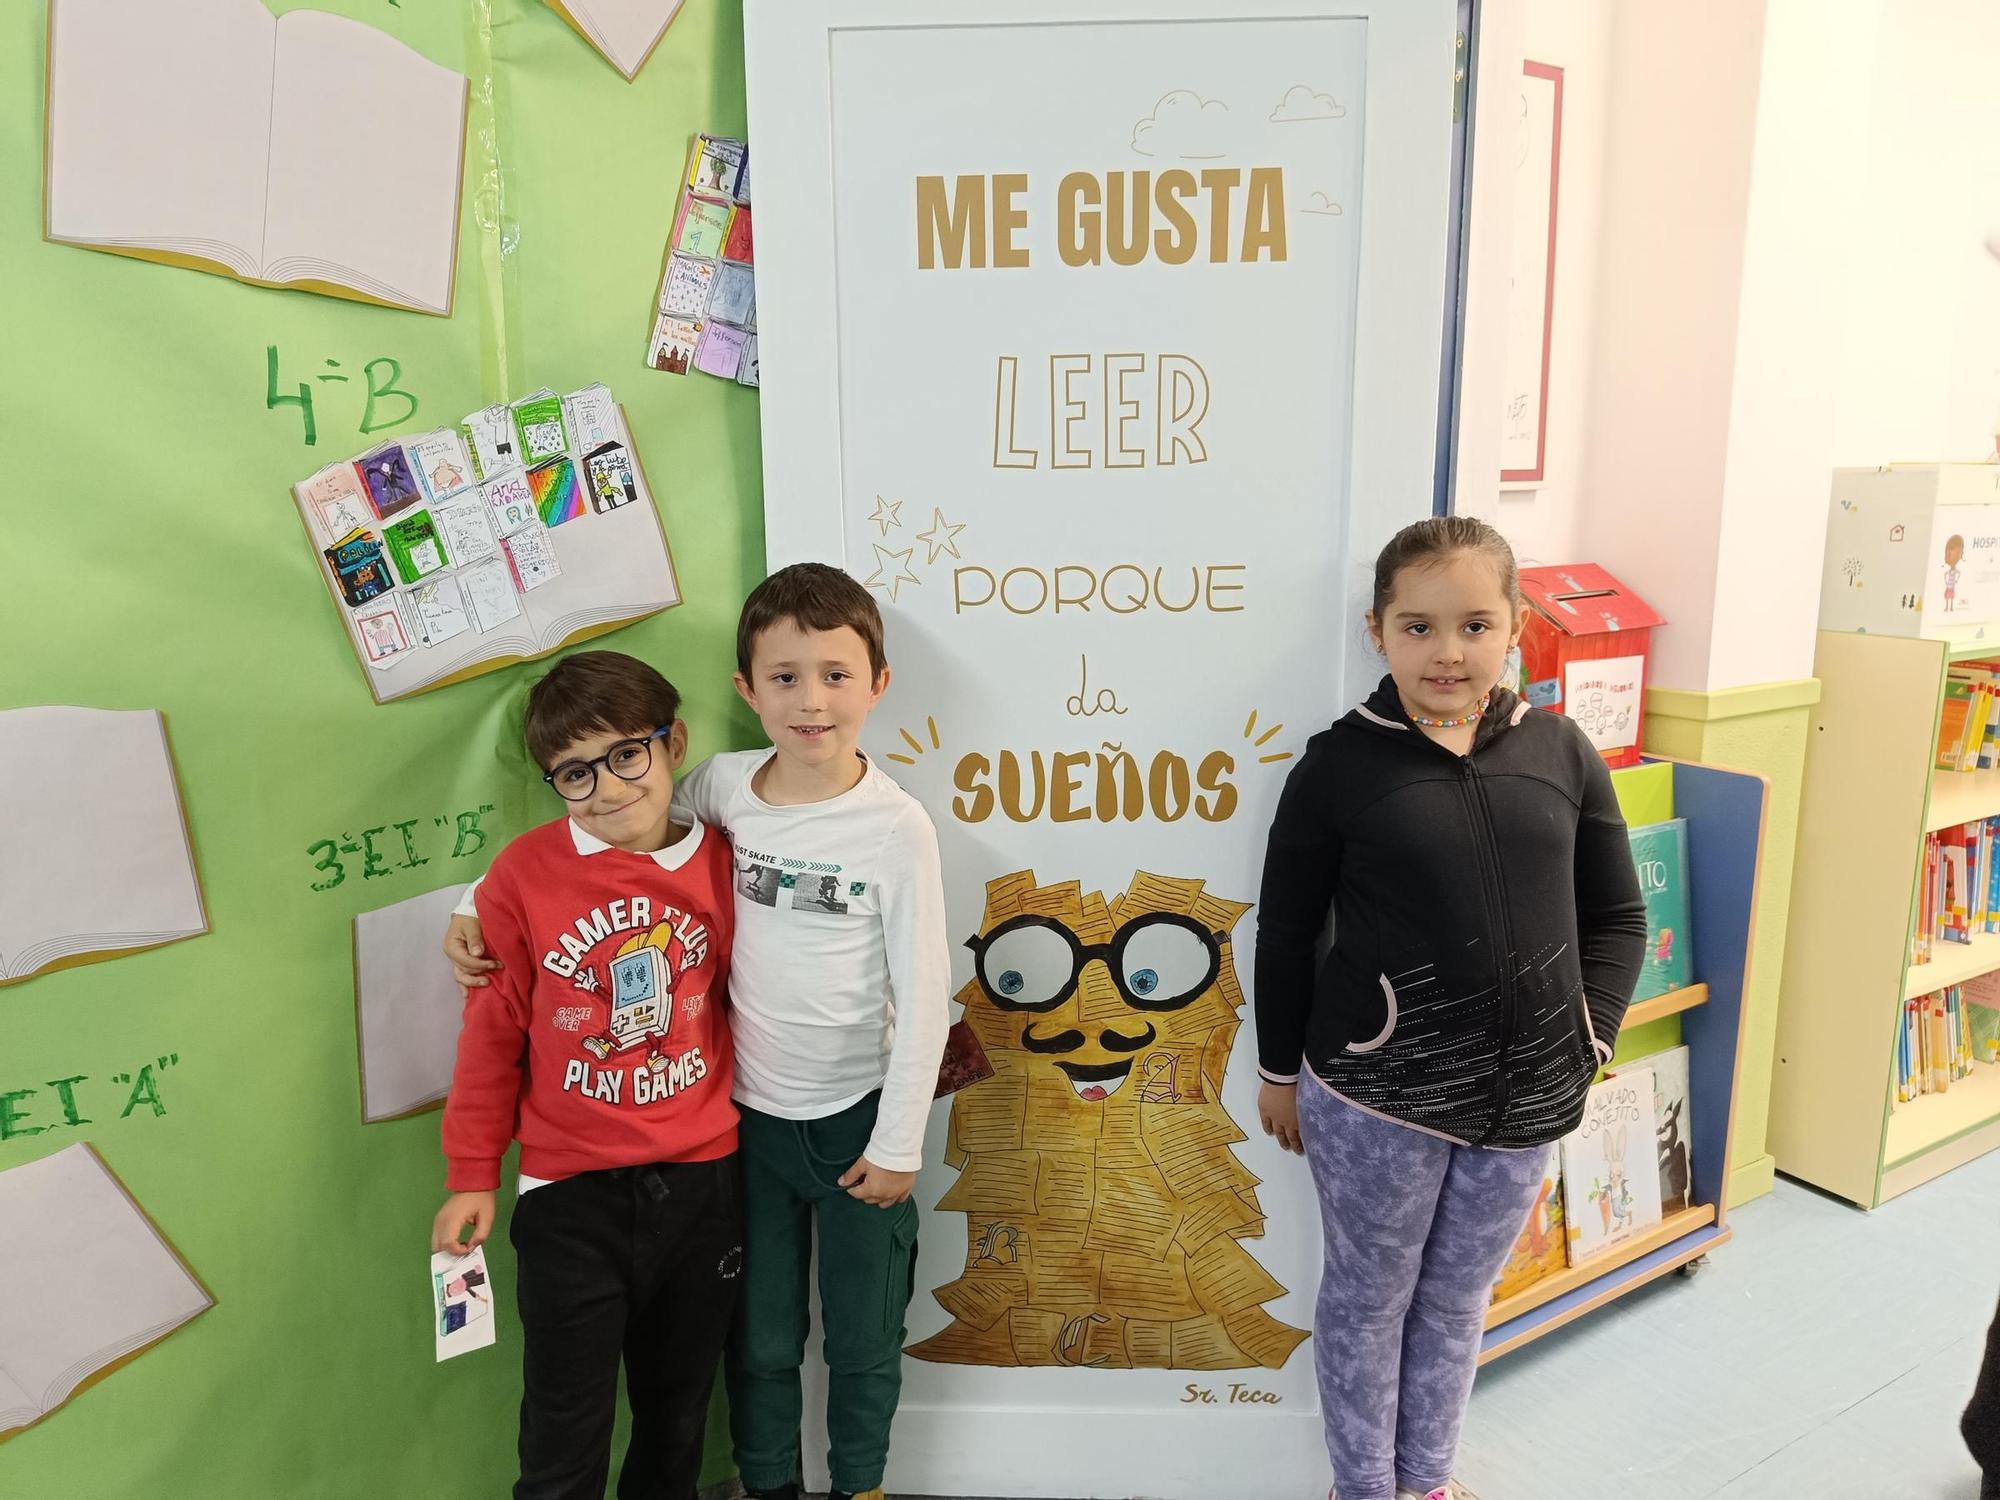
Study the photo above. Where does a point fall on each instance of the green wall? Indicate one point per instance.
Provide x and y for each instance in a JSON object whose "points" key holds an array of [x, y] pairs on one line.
{"points": [[158, 562]]}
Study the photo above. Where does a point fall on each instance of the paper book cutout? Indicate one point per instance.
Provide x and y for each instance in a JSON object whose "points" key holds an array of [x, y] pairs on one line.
{"points": [[467, 526], [91, 1283], [440, 462], [212, 135], [964, 1063], [743, 179], [625, 32], [407, 1006], [733, 299], [716, 163], [387, 480], [439, 607], [558, 494], [461, 1303], [536, 590], [1107, 1214], [415, 549], [1611, 1189], [90, 876], [613, 477], [511, 503], [359, 569], [531, 556], [339, 504], [489, 437], [685, 291], [721, 350], [592, 417], [738, 246], [674, 343], [747, 372], [538, 419], [703, 226]]}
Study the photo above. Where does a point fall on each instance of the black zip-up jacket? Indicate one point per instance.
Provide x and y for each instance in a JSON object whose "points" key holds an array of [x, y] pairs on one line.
{"points": [[1487, 922]]}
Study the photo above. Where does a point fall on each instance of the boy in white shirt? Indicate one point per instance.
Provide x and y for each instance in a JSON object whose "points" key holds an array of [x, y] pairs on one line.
{"points": [[841, 977]]}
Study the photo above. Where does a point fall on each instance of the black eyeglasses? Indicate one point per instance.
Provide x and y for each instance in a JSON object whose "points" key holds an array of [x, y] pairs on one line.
{"points": [[628, 760], [1159, 961]]}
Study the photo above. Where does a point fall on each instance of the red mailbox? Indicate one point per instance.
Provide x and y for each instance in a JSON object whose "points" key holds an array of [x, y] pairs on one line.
{"points": [[1584, 653]]}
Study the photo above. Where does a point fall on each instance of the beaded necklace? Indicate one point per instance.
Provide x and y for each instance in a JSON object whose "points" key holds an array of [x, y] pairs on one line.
{"points": [[1458, 723]]}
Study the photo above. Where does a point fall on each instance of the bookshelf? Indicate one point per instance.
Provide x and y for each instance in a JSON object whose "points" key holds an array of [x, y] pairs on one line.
{"points": [[1869, 798], [1725, 817]]}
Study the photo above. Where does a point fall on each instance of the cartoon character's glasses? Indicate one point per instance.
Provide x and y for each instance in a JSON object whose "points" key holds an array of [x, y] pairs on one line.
{"points": [[1159, 961], [628, 760]]}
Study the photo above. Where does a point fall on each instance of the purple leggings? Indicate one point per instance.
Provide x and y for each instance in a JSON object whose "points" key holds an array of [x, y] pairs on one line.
{"points": [[1417, 1229]]}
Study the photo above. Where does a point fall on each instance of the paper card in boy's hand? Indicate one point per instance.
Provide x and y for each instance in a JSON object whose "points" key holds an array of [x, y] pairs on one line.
{"points": [[339, 505], [684, 294], [538, 420], [531, 554], [511, 503], [733, 299], [704, 226], [358, 567], [592, 415], [385, 474], [489, 433], [461, 1302], [441, 463], [721, 351], [747, 373], [383, 634], [490, 594], [467, 527], [414, 547], [611, 481], [440, 610], [558, 495], [674, 343], [737, 246], [965, 1061], [715, 165]]}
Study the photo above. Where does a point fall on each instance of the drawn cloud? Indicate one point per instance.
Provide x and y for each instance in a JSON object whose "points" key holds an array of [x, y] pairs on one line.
{"points": [[1301, 103], [1319, 203], [1182, 125]]}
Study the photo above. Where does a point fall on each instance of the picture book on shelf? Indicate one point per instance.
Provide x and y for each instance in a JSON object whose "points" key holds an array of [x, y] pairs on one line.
{"points": [[91, 1282], [1542, 1248], [1675, 1136], [538, 531], [89, 877], [1611, 1189], [1659, 855], [624, 32], [705, 315], [214, 135]]}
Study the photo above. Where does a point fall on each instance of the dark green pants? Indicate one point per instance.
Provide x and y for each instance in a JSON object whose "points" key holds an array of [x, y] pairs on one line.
{"points": [[867, 1270]]}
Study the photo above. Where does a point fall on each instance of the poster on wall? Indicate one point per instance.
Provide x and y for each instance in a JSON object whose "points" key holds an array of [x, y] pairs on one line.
{"points": [[1531, 275], [1074, 385]]}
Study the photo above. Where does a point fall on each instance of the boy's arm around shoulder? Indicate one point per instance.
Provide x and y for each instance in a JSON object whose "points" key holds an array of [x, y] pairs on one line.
{"points": [[703, 792], [479, 1113], [919, 956]]}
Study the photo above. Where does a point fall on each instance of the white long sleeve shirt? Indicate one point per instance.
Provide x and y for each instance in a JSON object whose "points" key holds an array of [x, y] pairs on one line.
{"points": [[840, 982]]}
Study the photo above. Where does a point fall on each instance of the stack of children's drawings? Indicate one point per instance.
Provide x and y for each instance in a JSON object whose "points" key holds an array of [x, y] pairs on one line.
{"points": [[442, 549], [706, 315]]}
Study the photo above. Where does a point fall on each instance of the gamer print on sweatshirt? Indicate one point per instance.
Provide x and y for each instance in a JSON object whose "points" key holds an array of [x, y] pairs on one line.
{"points": [[637, 980]]}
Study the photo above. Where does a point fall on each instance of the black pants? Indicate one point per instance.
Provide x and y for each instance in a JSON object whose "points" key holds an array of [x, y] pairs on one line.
{"points": [[1981, 1422], [641, 1263]]}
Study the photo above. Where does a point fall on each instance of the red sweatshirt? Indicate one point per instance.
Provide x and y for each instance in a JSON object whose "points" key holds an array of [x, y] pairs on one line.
{"points": [[604, 1042]]}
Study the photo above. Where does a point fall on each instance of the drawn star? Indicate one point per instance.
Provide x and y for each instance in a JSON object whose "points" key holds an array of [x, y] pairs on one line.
{"points": [[942, 537], [883, 578], [887, 513]]}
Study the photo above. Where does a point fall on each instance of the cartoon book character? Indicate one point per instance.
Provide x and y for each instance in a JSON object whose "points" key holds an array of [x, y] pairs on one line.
{"points": [[1954, 550]]}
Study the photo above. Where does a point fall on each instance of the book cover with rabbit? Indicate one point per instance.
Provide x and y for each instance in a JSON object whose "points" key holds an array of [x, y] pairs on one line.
{"points": [[1611, 1182], [1674, 1136]]}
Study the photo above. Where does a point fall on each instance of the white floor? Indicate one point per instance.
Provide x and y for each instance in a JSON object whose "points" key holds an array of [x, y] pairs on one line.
{"points": [[1824, 1352]]}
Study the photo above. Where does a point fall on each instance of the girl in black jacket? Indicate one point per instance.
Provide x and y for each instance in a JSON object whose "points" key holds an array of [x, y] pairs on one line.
{"points": [[1487, 932]]}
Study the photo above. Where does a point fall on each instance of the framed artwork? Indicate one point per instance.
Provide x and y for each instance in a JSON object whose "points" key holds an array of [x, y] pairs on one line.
{"points": [[1524, 437]]}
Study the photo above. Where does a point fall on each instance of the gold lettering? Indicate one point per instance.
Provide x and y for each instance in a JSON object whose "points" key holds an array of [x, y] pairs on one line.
{"points": [[1077, 229], [950, 225], [1008, 216], [1174, 241], [1264, 215]]}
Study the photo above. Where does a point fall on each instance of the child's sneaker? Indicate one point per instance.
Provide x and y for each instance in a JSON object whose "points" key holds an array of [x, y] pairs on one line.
{"points": [[874, 1494]]}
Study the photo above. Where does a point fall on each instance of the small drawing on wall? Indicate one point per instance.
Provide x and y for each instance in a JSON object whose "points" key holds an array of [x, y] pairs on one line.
{"points": [[1531, 285]]}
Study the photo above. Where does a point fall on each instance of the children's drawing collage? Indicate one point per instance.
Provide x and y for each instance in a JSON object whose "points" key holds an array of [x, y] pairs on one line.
{"points": [[706, 317]]}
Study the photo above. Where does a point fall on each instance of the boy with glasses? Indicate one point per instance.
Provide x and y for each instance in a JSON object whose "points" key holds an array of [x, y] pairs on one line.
{"points": [[603, 1046], [839, 1001]]}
